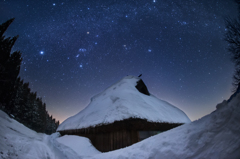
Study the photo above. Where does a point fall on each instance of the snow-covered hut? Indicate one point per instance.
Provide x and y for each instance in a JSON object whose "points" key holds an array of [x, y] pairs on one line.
{"points": [[122, 115]]}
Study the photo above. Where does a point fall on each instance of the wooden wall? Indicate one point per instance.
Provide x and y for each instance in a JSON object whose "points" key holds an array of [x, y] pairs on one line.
{"points": [[109, 141], [119, 134]]}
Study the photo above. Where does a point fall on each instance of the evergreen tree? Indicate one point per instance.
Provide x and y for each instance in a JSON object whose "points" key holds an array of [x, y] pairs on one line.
{"points": [[47, 130], [18, 101], [9, 68], [43, 115], [16, 98], [232, 36]]}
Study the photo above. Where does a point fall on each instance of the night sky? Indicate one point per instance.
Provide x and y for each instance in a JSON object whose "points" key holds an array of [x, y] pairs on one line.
{"points": [[74, 49]]}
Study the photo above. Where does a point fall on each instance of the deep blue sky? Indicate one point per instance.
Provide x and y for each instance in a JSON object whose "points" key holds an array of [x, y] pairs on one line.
{"points": [[73, 49]]}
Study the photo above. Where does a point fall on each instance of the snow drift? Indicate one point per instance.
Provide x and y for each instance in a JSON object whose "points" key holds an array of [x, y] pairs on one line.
{"points": [[20, 142], [123, 101]]}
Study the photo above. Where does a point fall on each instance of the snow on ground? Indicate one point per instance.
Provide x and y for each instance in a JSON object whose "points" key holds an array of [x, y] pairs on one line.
{"points": [[122, 101], [216, 135], [76, 144], [19, 142]]}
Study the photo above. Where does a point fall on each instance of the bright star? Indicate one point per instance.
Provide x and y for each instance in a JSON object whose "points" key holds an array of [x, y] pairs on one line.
{"points": [[41, 52], [53, 4], [82, 50]]}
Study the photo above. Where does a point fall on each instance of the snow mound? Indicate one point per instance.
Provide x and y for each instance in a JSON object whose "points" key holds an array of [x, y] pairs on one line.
{"points": [[122, 101], [81, 145], [216, 135], [20, 142]]}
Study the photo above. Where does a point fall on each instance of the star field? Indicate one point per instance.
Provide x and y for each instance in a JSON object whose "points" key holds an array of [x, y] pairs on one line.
{"points": [[73, 50]]}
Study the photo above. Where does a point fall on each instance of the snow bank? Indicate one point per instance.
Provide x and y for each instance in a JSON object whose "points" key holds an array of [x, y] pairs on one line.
{"points": [[20, 142], [216, 135], [17, 141], [81, 145], [122, 101]]}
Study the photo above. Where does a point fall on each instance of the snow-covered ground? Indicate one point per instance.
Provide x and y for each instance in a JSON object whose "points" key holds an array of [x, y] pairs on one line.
{"points": [[122, 101], [19, 142], [216, 135]]}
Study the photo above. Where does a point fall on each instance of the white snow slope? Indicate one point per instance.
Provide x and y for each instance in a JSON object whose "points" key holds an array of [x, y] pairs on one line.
{"points": [[19, 142], [122, 101], [215, 136]]}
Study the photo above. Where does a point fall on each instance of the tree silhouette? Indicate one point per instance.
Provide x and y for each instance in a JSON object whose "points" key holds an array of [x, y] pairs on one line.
{"points": [[232, 36], [9, 68], [16, 98]]}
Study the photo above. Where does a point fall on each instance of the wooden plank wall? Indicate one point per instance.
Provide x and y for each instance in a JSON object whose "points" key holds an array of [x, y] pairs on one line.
{"points": [[109, 141], [118, 134]]}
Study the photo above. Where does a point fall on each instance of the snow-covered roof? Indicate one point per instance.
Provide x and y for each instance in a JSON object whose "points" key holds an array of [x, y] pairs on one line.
{"points": [[122, 101]]}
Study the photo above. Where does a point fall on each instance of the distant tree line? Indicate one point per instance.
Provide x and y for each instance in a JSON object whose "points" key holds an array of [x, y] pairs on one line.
{"points": [[16, 98]]}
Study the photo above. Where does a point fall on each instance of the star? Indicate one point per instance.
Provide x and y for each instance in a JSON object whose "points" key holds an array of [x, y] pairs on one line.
{"points": [[82, 50]]}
